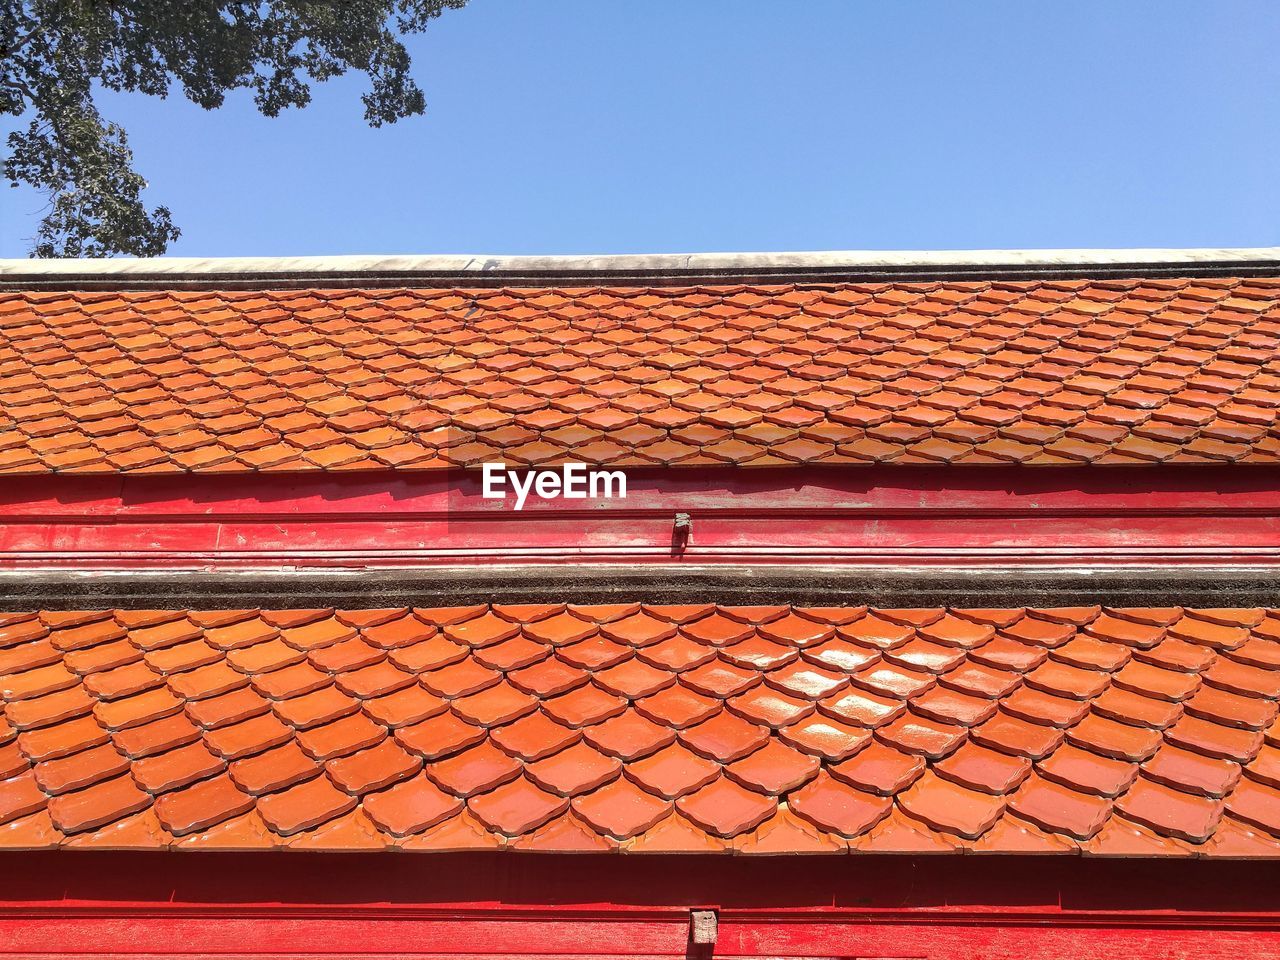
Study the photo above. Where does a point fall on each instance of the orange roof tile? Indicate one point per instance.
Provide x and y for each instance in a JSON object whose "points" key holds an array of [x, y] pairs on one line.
{"points": [[1053, 372], [765, 729]]}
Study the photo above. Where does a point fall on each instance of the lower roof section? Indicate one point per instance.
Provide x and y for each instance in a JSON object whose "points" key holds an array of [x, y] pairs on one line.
{"points": [[645, 728]]}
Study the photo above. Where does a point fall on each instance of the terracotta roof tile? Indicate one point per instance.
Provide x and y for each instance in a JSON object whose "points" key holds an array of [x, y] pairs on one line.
{"points": [[642, 375], [798, 743]]}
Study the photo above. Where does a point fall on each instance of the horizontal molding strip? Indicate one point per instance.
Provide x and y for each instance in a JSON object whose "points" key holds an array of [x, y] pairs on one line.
{"points": [[992, 585]]}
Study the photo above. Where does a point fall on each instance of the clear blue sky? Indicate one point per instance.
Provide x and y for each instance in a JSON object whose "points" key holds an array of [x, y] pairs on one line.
{"points": [[568, 126]]}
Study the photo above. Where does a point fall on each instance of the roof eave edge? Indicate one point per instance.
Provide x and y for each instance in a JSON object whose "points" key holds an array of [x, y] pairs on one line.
{"points": [[532, 270]]}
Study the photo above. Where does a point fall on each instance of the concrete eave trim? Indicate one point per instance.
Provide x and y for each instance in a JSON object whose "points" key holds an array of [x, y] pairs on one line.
{"points": [[497, 270], [992, 585]]}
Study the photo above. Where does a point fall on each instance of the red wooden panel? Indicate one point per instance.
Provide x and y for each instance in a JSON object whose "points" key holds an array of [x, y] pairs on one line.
{"points": [[586, 937], [461, 906], [889, 515]]}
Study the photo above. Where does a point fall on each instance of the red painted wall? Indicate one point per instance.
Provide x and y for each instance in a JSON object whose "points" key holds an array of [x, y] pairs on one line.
{"points": [[874, 515], [456, 905]]}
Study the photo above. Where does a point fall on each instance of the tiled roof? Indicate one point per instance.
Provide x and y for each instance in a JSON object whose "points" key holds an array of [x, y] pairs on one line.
{"points": [[1036, 371], [646, 728]]}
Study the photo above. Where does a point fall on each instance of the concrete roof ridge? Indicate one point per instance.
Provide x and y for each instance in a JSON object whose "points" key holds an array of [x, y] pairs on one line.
{"points": [[489, 270]]}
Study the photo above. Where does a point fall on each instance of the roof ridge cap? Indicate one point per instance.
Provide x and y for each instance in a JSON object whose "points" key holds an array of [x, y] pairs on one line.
{"points": [[684, 264]]}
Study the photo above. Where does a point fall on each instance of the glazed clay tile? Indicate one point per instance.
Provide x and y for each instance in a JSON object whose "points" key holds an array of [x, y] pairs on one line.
{"points": [[476, 770], [725, 737], [719, 679], [765, 706], [273, 769], [806, 681], [621, 809], [827, 738], [726, 809], [482, 631], [1009, 734], [341, 737], [639, 629], [248, 737], [1232, 709], [1265, 768], [43, 711], [1118, 740], [70, 737], [404, 707], [1036, 706], [876, 632], [833, 806], [156, 737], [516, 807], [627, 736], [923, 736], [410, 807], [318, 707], [774, 769], [97, 805], [835, 654], [634, 679], [77, 770], [203, 805], [673, 772], [1214, 635], [947, 706], [19, 797], [533, 737], [1170, 812], [494, 706], [951, 808], [717, 630], [678, 707], [1135, 709], [1066, 681], [227, 709], [953, 631], [373, 769], [1243, 679], [880, 769], [1088, 772], [346, 656], [439, 736], [1215, 740], [679, 653], [304, 806], [982, 769], [1192, 772], [863, 709], [1058, 809], [572, 771], [1257, 804], [585, 706], [174, 769]]}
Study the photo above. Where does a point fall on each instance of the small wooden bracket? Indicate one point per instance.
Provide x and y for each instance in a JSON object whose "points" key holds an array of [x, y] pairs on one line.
{"points": [[703, 927]]}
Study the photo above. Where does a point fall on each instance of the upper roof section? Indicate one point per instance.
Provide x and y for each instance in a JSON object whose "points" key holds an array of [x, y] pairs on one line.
{"points": [[1059, 358]]}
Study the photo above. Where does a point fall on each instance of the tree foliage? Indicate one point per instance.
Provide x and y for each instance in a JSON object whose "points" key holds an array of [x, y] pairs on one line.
{"points": [[55, 54]]}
